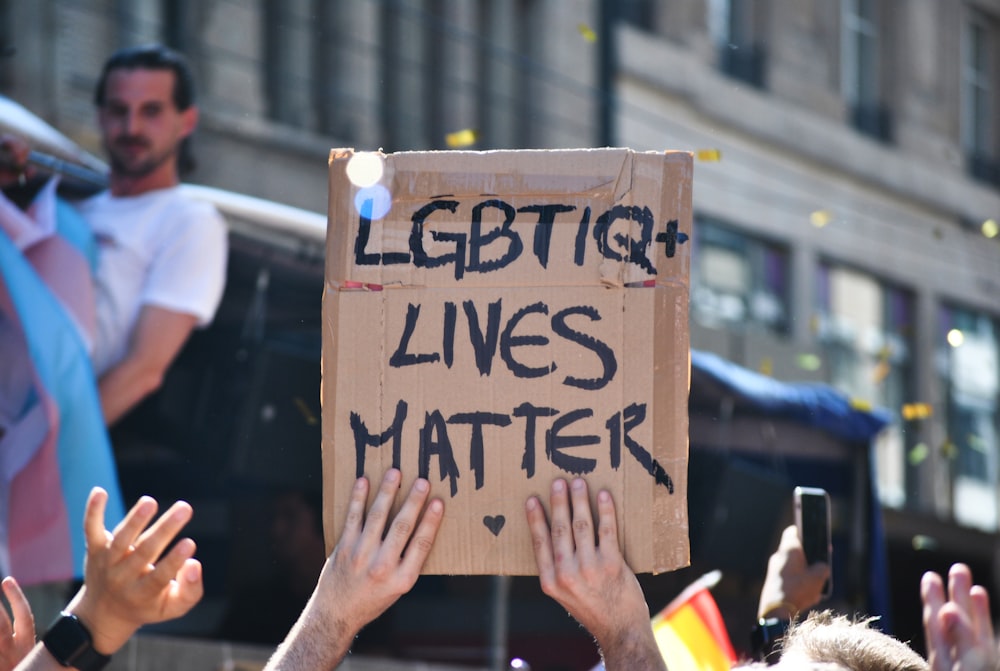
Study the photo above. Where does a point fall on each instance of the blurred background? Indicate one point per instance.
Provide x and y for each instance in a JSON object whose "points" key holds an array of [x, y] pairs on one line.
{"points": [[846, 198]]}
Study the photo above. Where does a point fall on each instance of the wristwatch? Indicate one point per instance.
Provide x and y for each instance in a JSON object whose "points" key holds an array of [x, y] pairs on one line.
{"points": [[70, 643], [764, 638]]}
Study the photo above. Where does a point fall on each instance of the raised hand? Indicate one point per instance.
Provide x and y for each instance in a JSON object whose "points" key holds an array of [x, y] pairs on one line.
{"points": [[791, 585], [585, 572], [126, 582], [17, 638], [368, 570], [958, 629]]}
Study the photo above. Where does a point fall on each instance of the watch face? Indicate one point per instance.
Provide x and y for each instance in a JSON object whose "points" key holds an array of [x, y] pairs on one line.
{"points": [[67, 639]]}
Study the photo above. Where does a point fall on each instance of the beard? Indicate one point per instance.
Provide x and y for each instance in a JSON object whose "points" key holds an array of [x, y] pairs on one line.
{"points": [[126, 162]]}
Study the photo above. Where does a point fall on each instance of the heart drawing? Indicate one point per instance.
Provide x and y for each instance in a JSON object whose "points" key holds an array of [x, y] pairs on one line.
{"points": [[494, 524]]}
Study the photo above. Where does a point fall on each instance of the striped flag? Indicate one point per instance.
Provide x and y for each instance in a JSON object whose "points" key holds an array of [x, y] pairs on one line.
{"points": [[690, 630], [54, 446]]}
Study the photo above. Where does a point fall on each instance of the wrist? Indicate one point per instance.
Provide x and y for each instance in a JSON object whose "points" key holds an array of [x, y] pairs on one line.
{"points": [[778, 609], [107, 632]]}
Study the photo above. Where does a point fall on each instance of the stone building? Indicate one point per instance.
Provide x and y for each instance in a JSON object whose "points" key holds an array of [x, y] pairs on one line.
{"points": [[847, 187]]}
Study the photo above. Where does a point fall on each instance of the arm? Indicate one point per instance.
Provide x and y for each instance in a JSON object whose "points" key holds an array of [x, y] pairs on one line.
{"points": [[158, 337], [589, 577], [958, 631], [790, 586], [126, 582], [364, 575], [17, 638]]}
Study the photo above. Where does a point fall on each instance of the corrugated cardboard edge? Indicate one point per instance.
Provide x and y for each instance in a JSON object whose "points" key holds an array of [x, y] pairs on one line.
{"points": [[677, 169]]}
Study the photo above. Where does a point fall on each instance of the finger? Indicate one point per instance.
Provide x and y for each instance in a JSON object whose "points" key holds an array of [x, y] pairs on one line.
{"points": [[562, 536], [423, 539], [185, 591], [541, 543], [371, 533], [982, 623], [932, 595], [405, 522], [607, 525], [957, 628], [959, 586], [6, 627], [24, 620], [790, 538], [128, 530], [583, 521], [167, 568], [355, 513], [93, 519], [156, 538]]}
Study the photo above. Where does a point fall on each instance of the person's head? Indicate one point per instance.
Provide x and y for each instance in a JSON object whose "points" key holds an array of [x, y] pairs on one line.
{"points": [[835, 642], [146, 110]]}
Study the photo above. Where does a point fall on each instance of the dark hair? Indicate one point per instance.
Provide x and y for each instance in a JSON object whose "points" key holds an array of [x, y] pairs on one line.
{"points": [[155, 57]]}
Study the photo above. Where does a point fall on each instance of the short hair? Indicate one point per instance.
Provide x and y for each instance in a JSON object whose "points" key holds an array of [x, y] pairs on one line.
{"points": [[156, 57], [854, 644], [151, 57]]}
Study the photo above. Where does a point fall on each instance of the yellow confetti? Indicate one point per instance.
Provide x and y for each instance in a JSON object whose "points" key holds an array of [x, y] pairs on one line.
{"points": [[990, 228], [861, 404], [810, 362], [949, 450], [766, 366], [912, 411], [955, 338], [461, 138], [710, 155], [307, 414], [978, 444], [918, 454], [820, 218], [587, 32], [881, 371]]}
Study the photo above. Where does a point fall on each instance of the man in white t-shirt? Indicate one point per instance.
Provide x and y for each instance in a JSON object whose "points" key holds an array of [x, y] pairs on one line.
{"points": [[162, 257]]}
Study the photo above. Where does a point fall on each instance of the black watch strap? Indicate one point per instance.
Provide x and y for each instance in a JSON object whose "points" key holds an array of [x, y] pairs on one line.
{"points": [[69, 642], [764, 638]]}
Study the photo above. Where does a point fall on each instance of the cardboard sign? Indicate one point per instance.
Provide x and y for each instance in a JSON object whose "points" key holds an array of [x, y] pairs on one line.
{"points": [[493, 321]]}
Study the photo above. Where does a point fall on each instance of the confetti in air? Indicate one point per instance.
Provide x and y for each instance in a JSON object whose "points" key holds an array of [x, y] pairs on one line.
{"points": [[949, 450], [990, 228], [861, 404], [820, 218], [461, 138], [955, 338], [913, 411], [766, 366], [918, 454], [587, 32], [709, 155], [809, 362]]}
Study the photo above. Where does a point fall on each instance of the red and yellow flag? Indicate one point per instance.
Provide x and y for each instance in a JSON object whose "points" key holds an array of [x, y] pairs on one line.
{"points": [[691, 633]]}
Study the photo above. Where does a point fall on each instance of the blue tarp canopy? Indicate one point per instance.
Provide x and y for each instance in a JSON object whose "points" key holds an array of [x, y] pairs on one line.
{"points": [[814, 404]]}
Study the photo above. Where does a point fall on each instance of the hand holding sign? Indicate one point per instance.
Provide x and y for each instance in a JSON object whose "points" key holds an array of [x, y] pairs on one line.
{"points": [[368, 570], [588, 576]]}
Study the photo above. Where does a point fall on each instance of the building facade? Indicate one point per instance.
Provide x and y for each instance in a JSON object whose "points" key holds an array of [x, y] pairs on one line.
{"points": [[847, 188]]}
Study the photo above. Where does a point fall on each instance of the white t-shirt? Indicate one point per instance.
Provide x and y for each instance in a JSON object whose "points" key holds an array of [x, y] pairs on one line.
{"points": [[159, 248]]}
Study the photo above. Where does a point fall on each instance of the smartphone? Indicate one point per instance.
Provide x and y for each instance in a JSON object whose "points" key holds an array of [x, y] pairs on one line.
{"points": [[812, 517]]}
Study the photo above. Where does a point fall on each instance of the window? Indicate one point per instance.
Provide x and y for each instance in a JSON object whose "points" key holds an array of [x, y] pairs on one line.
{"points": [[968, 347], [979, 109], [738, 281], [736, 26], [865, 329], [860, 65], [288, 64]]}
